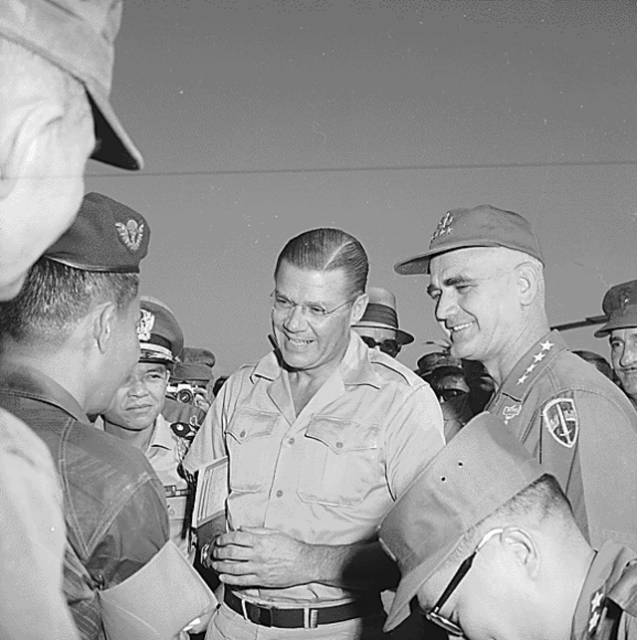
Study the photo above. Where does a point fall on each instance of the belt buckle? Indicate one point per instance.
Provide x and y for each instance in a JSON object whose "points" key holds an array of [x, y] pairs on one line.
{"points": [[263, 615], [310, 618]]}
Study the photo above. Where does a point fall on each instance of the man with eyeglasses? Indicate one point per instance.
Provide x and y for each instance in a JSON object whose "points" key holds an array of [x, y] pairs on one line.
{"points": [[487, 282], [320, 437], [378, 328], [486, 541]]}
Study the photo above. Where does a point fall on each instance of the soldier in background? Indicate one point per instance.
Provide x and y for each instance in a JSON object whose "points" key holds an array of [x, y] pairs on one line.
{"points": [[599, 362], [620, 305], [378, 328], [134, 414]]}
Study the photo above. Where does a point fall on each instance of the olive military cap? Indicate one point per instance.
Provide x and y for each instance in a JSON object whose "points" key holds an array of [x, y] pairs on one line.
{"points": [[620, 307]]}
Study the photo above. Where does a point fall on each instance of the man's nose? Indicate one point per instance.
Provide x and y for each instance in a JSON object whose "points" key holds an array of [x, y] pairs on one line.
{"points": [[629, 356], [445, 306], [295, 319]]}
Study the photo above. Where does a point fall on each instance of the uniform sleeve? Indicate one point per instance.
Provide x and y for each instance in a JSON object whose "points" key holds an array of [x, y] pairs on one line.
{"points": [[608, 460], [32, 539], [413, 436], [136, 534]]}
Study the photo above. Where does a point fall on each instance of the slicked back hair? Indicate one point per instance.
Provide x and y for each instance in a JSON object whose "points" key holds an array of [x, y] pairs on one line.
{"points": [[55, 297], [328, 249]]}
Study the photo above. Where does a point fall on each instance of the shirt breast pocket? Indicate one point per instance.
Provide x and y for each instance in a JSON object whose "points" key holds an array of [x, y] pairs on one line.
{"points": [[248, 439], [340, 462]]}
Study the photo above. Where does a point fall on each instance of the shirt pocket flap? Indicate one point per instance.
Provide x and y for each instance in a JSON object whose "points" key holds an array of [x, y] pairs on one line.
{"points": [[247, 425], [343, 436]]}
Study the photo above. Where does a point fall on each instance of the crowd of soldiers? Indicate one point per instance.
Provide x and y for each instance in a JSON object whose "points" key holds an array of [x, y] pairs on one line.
{"points": [[327, 491]]}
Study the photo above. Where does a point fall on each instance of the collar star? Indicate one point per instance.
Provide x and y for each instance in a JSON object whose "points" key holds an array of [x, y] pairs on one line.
{"points": [[546, 346], [596, 601], [592, 623], [539, 357]]}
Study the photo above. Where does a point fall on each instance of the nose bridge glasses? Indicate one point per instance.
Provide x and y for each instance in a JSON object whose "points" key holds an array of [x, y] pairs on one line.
{"points": [[315, 312], [388, 346], [434, 615]]}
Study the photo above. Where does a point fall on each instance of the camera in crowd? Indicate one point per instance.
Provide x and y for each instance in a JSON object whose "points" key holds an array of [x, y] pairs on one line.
{"points": [[185, 392]]}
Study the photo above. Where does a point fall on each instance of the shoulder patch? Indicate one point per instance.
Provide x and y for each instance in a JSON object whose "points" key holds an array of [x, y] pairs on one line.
{"points": [[559, 416]]}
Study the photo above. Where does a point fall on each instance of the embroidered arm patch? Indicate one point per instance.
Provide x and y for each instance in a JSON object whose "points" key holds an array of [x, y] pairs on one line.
{"points": [[559, 416]]}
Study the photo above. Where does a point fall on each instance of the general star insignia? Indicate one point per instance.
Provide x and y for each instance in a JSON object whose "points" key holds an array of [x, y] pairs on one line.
{"points": [[596, 608], [145, 325], [444, 227]]}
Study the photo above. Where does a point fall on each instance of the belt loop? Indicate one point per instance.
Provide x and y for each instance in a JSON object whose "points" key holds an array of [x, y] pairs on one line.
{"points": [[310, 618], [244, 609]]}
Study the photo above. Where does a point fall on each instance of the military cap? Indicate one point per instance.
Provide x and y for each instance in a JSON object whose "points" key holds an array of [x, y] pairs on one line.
{"points": [[482, 226], [435, 359], [78, 36], [194, 371], [106, 236], [620, 307], [481, 469], [160, 336], [198, 355], [380, 313]]}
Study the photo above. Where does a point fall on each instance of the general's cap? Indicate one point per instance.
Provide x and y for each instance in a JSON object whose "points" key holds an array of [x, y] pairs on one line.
{"points": [[480, 469], [160, 336], [78, 36], [482, 226], [106, 237], [380, 313], [620, 306]]}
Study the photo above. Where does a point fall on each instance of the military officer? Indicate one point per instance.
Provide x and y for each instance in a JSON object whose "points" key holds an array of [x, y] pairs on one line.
{"points": [[487, 284], [486, 541], [620, 305], [134, 413]]}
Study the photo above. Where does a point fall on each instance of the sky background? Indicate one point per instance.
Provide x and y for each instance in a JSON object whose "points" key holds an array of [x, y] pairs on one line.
{"points": [[260, 119]]}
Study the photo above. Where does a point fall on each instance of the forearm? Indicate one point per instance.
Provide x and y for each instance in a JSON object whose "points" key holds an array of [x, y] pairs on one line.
{"points": [[361, 566]]}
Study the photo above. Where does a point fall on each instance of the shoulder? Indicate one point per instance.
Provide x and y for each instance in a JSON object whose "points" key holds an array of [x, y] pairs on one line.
{"points": [[390, 370]]}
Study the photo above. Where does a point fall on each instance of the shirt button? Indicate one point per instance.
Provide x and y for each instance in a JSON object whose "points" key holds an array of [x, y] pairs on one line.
{"points": [[279, 493], [242, 434], [339, 445], [291, 441]]}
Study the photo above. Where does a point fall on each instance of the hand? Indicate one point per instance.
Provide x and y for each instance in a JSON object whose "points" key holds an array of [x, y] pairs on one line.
{"points": [[261, 557]]}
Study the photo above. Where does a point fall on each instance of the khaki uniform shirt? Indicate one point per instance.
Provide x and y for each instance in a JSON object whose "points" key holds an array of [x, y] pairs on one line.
{"points": [[580, 426], [330, 474], [607, 607], [165, 452]]}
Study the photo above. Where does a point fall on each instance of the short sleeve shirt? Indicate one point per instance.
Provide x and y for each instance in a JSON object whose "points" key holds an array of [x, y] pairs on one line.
{"points": [[330, 474]]}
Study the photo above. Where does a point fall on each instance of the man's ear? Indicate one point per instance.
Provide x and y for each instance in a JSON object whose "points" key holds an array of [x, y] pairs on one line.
{"points": [[522, 548], [104, 317], [358, 308], [528, 280]]}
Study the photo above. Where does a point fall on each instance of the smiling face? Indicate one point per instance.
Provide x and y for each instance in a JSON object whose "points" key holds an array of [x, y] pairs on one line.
{"points": [[139, 401], [476, 296], [623, 353], [309, 342]]}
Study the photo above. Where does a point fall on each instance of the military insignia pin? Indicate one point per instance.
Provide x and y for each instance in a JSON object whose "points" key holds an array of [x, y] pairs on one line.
{"points": [[444, 227], [510, 412], [131, 233], [560, 418], [145, 325]]}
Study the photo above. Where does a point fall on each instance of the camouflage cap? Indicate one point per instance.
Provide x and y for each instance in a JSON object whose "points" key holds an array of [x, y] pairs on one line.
{"points": [[482, 226], [78, 36], [106, 236], [478, 471], [160, 336], [620, 307], [435, 359]]}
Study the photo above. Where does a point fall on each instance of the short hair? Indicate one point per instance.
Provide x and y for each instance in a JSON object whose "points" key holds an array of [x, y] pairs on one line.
{"points": [[328, 249], [597, 361], [539, 501], [55, 297]]}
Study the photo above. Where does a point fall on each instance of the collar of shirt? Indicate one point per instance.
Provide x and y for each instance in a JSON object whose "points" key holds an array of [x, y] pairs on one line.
{"points": [[355, 367], [31, 383], [531, 365], [606, 569], [162, 435]]}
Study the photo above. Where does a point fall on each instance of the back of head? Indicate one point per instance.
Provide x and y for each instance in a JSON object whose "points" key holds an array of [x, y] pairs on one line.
{"points": [[328, 249]]}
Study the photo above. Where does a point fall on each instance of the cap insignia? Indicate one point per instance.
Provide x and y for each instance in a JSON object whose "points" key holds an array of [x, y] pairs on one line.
{"points": [[145, 325], [444, 227], [623, 296], [560, 418], [131, 233]]}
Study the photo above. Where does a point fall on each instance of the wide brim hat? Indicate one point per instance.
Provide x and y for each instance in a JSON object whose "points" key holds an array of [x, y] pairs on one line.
{"points": [[78, 36], [481, 226], [478, 471], [380, 313], [620, 307]]}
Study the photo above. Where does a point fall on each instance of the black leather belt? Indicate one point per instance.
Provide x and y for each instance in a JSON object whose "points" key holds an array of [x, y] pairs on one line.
{"points": [[305, 618]]}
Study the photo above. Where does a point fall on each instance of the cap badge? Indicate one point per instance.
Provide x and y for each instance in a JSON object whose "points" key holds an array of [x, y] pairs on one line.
{"points": [[444, 227], [560, 418], [623, 296], [131, 233], [145, 325]]}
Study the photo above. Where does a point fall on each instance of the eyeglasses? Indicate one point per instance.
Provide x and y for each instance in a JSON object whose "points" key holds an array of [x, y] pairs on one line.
{"points": [[313, 312], [434, 616], [388, 346]]}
